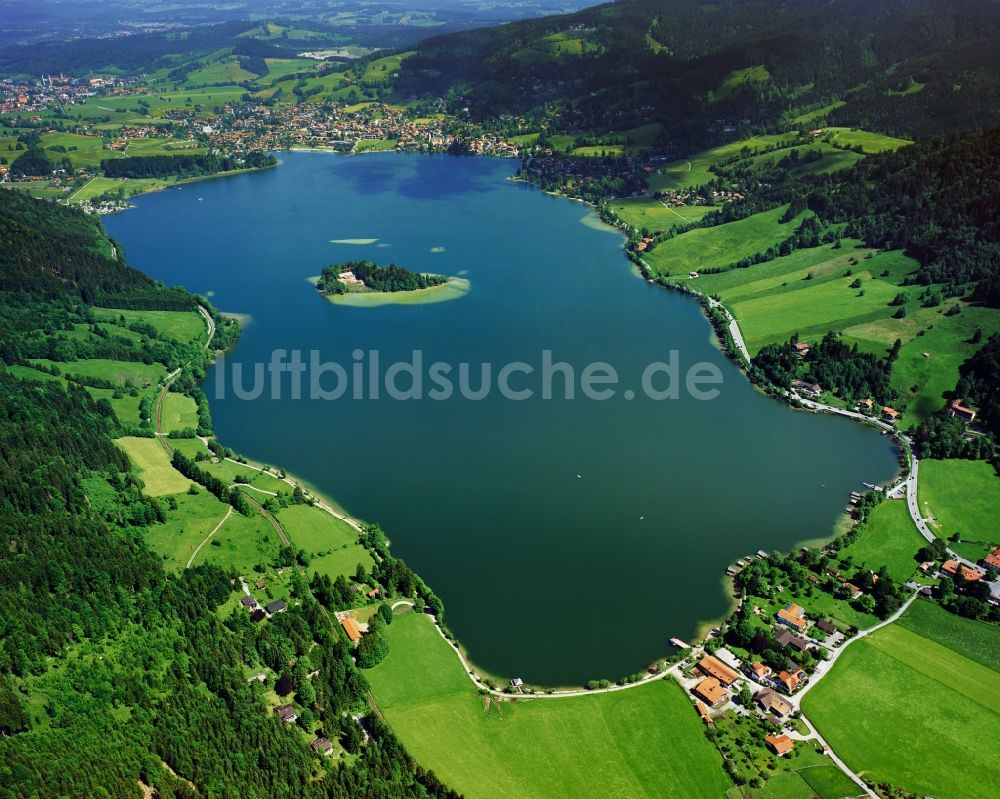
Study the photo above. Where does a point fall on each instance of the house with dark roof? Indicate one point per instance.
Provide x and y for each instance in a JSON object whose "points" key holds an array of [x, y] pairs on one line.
{"points": [[278, 606], [774, 703], [248, 602], [286, 713], [826, 626], [323, 746], [785, 637]]}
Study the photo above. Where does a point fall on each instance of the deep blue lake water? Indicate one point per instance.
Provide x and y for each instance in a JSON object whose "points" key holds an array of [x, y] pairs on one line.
{"points": [[569, 539]]}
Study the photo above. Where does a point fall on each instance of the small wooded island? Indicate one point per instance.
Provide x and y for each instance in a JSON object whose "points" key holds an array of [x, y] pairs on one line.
{"points": [[366, 277]]}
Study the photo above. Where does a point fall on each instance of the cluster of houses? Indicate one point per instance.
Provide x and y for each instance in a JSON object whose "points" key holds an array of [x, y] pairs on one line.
{"points": [[260, 612]]}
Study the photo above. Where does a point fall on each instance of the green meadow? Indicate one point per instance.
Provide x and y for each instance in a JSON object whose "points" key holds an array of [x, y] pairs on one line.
{"points": [[868, 141], [721, 245], [941, 709], [153, 465], [959, 496], [179, 325], [186, 527], [179, 412], [241, 544], [120, 373], [970, 638], [332, 544], [686, 173], [890, 539], [646, 741], [649, 213]]}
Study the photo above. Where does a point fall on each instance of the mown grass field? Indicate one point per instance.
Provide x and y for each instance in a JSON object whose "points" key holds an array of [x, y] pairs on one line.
{"points": [[153, 466], [963, 497], [941, 711], [694, 171], [119, 373], [649, 213], [721, 245], [333, 544], [179, 412], [647, 741], [890, 540], [868, 141], [969, 638], [809, 293], [179, 325], [242, 543]]}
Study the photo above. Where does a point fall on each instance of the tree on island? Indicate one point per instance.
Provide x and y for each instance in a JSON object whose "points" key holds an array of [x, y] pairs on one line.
{"points": [[389, 278]]}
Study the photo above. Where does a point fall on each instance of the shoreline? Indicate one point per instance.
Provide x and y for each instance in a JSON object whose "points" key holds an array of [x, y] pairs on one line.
{"points": [[478, 674]]}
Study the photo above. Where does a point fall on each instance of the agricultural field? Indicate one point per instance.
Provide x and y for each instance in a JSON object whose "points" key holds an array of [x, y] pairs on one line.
{"points": [[686, 173], [181, 326], [969, 638], [374, 145], [809, 293], [868, 142], [890, 539], [179, 412], [649, 213], [195, 516], [809, 117], [959, 496], [721, 245], [120, 373], [153, 466], [333, 544], [242, 544], [646, 741], [737, 79], [905, 684]]}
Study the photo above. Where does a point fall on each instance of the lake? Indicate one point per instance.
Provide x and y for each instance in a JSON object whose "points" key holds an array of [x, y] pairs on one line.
{"points": [[568, 538]]}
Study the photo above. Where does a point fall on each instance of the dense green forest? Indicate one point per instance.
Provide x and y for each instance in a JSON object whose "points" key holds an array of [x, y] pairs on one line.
{"points": [[666, 61], [113, 671], [375, 278], [182, 166]]}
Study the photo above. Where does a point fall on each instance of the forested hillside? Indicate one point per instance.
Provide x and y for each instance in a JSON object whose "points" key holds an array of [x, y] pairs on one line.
{"points": [[908, 68], [115, 673]]}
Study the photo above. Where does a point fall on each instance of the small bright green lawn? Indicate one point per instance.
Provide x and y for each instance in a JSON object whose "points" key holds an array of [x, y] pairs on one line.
{"points": [[153, 466], [890, 539], [645, 741], [870, 142]]}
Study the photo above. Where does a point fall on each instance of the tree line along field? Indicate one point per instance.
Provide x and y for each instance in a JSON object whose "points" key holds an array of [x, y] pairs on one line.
{"points": [[912, 684], [647, 741]]}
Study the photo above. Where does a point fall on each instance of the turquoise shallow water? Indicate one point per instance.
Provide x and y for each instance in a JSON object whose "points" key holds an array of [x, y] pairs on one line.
{"points": [[568, 539]]}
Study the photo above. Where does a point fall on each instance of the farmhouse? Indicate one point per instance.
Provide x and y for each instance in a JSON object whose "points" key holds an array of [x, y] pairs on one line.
{"points": [[713, 667], [812, 389], [801, 348], [953, 569], [792, 616], [966, 414], [790, 680], [711, 692], [772, 702], [323, 746], [760, 671], [278, 606], [286, 713], [787, 638], [779, 744], [890, 414], [865, 404], [992, 561], [248, 602], [826, 626], [351, 628], [703, 712]]}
